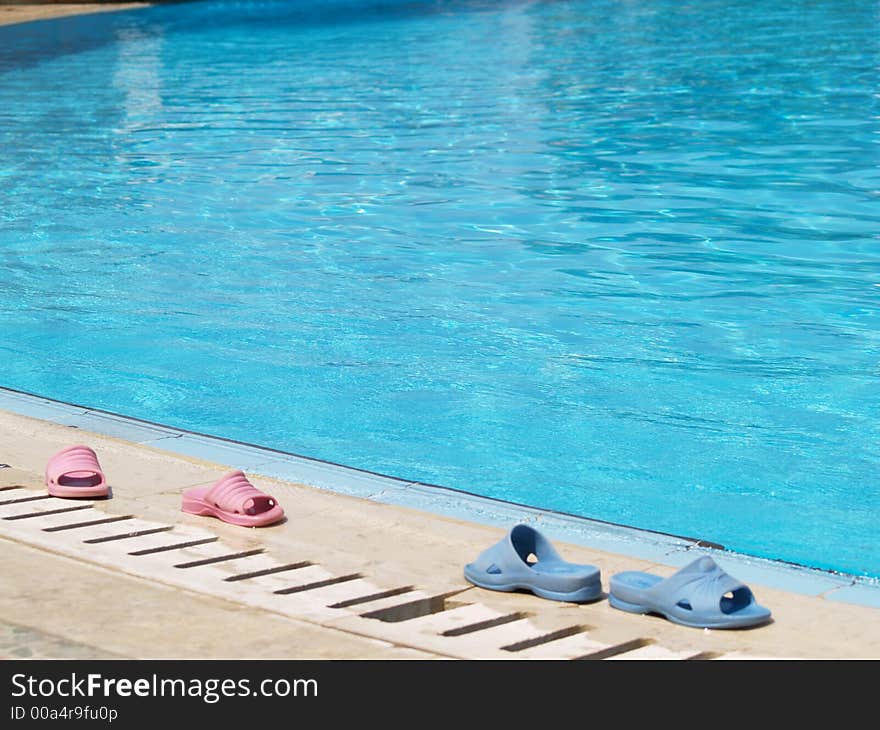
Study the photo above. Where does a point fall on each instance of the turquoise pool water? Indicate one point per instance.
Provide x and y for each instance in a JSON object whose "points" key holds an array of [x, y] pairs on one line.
{"points": [[618, 259]]}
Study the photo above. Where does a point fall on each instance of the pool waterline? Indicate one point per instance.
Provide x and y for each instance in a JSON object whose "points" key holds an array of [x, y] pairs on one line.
{"points": [[353, 482]]}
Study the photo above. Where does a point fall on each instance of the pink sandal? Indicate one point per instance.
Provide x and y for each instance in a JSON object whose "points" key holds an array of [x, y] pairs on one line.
{"points": [[233, 499], [75, 472]]}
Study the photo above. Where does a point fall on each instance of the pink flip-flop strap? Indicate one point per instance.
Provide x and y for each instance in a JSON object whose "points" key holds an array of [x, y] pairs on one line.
{"points": [[76, 459], [234, 493]]}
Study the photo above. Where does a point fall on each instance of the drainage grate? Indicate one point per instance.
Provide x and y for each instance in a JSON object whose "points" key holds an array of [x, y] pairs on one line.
{"points": [[545, 638], [483, 625], [618, 649], [219, 559], [31, 515], [90, 523], [127, 535], [372, 597], [175, 546], [318, 584], [705, 655], [269, 571], [416, 609], [19, 500]]}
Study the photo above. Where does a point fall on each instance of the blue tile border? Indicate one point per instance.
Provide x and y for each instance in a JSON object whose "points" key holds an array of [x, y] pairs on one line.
{"points": [[609, 537]]}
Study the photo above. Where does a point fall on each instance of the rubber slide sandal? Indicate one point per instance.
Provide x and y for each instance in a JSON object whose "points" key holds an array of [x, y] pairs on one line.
{"points": [[700, 595], [506, 566], [232, 498], [75, 472]]}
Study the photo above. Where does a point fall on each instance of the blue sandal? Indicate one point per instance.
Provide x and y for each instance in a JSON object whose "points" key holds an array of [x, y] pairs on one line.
{"points": [[505, 567], [701, 595]]}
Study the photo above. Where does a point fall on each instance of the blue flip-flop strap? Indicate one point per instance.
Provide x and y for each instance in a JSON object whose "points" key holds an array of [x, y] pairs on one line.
{"points": [[500, 559], [509, 558], [702, 591], [543, 550]]}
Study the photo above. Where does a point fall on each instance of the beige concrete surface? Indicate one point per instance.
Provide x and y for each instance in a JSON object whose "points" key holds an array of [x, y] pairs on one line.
{"points": [[23, 12], [15, 12], [380, 580]]}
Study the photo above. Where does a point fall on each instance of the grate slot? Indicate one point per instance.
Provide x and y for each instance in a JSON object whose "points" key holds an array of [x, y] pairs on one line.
{"points": [[269, 571], [318, 584], [618, 649], [372, 597], [488, 624], [127, 535], [219, 559], [90, 523], [545, 638], [14, 486], [20, 500], [175, 546], [415, 609], [30, 515], [705, 655]]}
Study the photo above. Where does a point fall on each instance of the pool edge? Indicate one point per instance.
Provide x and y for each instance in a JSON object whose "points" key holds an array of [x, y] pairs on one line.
{"points": [[446, 501]]}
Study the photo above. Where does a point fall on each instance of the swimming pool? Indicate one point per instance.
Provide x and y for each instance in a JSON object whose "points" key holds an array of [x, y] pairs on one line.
{"points": [[618, 259]]}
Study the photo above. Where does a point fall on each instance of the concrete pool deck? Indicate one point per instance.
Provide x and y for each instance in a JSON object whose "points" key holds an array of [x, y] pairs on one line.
{"points": [[14, 12], [363, 567]]}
